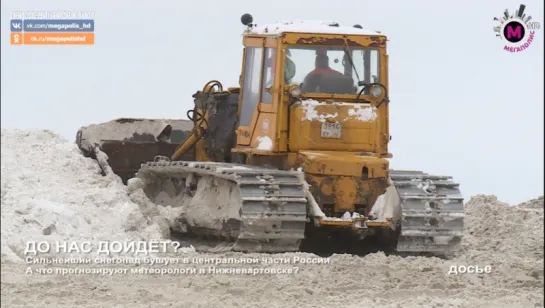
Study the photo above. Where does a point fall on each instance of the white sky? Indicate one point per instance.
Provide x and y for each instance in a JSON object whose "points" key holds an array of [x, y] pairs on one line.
{"points": [[461, 105]]}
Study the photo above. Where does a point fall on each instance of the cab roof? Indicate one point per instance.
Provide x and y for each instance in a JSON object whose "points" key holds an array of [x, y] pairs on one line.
{"points": [[309, 26]]}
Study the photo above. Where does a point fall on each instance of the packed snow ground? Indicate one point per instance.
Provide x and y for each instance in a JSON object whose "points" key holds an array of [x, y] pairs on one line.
{"points": [[51, 192]]}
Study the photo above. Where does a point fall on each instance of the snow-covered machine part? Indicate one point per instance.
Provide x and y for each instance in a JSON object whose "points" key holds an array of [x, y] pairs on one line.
{"points": [[121, 145], [256, 209]]}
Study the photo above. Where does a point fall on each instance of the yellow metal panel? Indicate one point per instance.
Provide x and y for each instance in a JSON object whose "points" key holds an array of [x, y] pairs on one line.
{"points": [[345, 193], [338, 194], [296, 130], [253, 41], [244, 135], [271, 42], [342, 163], [357, 134]]}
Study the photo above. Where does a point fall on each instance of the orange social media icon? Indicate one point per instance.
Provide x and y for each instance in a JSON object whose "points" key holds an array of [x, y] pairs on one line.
{"points": [[16, 38]]}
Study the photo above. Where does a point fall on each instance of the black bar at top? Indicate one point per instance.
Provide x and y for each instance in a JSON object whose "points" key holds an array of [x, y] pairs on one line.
{"points": [[521, 10]]}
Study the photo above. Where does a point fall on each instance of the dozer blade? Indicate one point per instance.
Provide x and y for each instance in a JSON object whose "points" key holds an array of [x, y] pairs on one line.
{"points": [[130, 142], [253, 208], [432, 213]]}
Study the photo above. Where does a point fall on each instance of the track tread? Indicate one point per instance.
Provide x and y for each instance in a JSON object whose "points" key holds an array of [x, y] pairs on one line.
{"points": [[273, 212], [432, 213]]}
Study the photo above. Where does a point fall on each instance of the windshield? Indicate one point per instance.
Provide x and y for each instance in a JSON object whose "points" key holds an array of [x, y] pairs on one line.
{"points": [[329, 70]]}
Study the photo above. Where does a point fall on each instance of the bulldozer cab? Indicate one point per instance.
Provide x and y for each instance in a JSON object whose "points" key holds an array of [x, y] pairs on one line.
{"points": [[287, 63]]}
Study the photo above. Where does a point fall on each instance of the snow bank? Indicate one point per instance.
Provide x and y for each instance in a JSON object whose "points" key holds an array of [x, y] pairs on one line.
{"points": [[512, 232], [51, 192], [510, 245]]}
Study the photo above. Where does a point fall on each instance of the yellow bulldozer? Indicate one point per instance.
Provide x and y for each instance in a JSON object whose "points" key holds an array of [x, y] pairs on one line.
{"points": [[298, 153]]}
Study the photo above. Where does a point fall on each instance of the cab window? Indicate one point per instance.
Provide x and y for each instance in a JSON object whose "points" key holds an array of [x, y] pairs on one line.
{"points": [[251, 84], [268, 74], [335, 69]]}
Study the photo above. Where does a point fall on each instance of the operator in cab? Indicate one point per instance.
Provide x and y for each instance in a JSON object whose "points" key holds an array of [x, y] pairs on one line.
{"points": [[324, 79]]}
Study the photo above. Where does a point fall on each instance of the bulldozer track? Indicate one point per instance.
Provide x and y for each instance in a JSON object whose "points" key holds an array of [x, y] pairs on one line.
{"points": [[432, 213], [273, 209]]}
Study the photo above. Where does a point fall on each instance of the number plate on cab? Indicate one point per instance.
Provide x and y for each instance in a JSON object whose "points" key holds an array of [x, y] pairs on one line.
{"points": [[331, 130]]}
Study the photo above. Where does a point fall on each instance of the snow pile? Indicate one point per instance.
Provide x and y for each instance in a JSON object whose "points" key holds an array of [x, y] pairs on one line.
{"points": [[514, 231], [361, 111], [507, 238], [51, 192]]}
